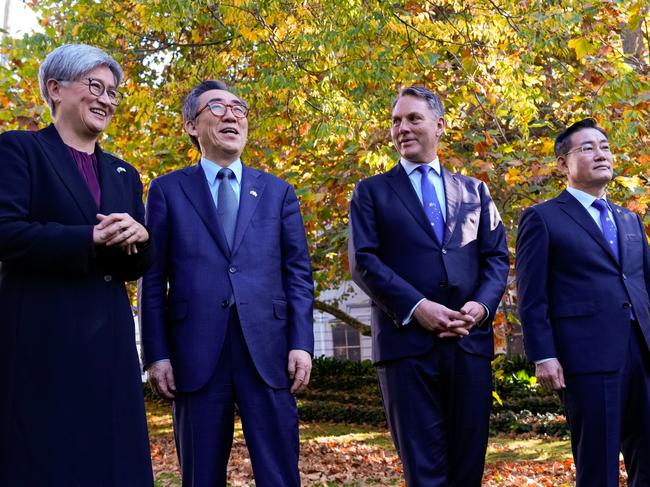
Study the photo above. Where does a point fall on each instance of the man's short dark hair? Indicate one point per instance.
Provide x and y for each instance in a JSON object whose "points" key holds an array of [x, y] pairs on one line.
{"points": [[191, 103], [433, 100], [563, 141]]}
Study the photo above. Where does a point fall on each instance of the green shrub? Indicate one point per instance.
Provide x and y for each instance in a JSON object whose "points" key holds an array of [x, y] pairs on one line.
{"points": [[548, 424], [342, 391], [516, 388], [348, 392]]}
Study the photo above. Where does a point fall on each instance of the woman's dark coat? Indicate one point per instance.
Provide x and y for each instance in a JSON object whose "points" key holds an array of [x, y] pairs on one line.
{"points": [[71, 406]]}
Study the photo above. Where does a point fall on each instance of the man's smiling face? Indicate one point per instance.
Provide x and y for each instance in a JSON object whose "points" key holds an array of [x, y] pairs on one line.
{"points": [[416, 130], [222, 139]]}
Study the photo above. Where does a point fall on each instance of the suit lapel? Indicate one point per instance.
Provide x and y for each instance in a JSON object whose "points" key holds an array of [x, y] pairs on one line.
{"points": [[196, 188], [453, 196], [575, 210], [110, 184], [65, 167], [401, 184], [252, 188]]}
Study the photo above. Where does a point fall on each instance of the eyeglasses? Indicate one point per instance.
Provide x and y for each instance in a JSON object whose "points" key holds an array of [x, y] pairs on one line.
{"points": [[97, 88], [589, 149], [219, 109]]}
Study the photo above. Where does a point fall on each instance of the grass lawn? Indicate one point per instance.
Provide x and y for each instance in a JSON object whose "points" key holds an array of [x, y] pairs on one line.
{"points": [[340, 455]]}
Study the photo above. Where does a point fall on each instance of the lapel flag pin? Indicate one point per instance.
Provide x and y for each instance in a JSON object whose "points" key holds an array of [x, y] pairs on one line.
{"points": [[253, 193], [120, 169]]}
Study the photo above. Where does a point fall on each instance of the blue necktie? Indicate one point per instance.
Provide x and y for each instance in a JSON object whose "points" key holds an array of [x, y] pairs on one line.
{"points": [[227, 204], [609, 231], [431, 203], [607, 225]]}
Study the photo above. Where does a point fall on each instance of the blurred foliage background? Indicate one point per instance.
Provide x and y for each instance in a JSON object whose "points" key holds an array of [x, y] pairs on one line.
{"points": [[320, 77]]}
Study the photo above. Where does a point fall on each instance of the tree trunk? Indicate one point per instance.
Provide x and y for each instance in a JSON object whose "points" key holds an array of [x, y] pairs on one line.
{"points": [[634, 45]]}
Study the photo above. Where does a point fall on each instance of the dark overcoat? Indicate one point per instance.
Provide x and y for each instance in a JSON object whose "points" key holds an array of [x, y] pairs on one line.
{"points": [[71, 405]]}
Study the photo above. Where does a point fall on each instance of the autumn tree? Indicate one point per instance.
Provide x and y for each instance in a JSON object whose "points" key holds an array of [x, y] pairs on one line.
{"points": [[320, 77]]}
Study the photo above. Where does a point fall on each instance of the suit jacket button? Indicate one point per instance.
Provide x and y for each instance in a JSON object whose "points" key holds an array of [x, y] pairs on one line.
{"points": [[224, 303], [623, 276], [444, 251], [108, 278], [442, 284], [626, 305], [232, 269]]}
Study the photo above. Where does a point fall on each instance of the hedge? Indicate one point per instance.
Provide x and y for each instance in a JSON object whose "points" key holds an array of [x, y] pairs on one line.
{"points": [[348, 392]]}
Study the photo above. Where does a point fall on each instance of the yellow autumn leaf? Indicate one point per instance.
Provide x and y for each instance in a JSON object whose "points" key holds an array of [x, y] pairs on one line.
{"points": [[513, 176], [581, 46], [548, 146], [250, 35], [629, 182]]}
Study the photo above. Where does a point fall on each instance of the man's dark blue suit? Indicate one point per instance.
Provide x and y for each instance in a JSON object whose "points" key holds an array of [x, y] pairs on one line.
{"points": [[575, 301], [229, 317], [436, 391]]}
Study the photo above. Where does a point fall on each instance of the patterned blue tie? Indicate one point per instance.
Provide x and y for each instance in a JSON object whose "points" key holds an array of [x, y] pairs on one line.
{"points": [[431, 203], [227, 205], [607, 225]]}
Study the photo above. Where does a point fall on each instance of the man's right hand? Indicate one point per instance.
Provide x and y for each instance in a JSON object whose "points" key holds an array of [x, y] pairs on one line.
{"points": [[550, 374], [161, 379], [442, 320]]}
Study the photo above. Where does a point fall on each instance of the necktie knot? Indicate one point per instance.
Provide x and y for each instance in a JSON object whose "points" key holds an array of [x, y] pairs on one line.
{"points": [[225, 173], [600, 204], [424, 169]]}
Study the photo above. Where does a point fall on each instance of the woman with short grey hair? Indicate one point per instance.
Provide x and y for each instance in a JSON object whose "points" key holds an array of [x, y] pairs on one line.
{"points": [[71, 233]]}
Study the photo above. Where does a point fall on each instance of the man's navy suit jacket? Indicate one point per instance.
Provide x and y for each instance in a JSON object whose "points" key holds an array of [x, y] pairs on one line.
{"points": [[187, 293], [396, 259], [574, 296]]}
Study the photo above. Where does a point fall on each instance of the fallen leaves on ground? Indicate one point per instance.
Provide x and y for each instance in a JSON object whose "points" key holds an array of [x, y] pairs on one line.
{"points": [[331, 461], [535, 474], [320, 462], [363, 465]]}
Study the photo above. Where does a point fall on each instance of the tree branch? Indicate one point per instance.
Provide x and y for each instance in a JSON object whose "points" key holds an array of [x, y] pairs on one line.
{"points": [[360, 326]]}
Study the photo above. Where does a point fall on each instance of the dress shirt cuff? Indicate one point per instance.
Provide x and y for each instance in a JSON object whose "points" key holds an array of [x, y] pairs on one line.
{"points": [[158, 362], [409, 317], [487, 314], [537, 362]]}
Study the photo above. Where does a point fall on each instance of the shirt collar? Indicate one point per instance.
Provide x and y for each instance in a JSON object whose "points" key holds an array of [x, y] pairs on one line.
{"points": [[211, 169], [585, 199], [409, 166]]}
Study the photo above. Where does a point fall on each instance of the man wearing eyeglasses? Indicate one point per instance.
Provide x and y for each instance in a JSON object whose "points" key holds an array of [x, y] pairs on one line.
{"points": [[583, 275], [226, 310]]}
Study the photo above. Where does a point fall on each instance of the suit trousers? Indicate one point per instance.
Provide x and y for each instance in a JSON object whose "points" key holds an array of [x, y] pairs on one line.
{"points": [[438, 410], [608, 413], [204, 421]]}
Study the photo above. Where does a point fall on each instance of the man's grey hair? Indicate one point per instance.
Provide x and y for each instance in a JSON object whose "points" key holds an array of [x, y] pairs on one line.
{"points": [[191, 102], [71, 62], [433, 100]]}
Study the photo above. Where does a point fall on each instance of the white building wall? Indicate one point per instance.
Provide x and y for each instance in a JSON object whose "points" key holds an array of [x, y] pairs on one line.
{"points": [[354, 302]]}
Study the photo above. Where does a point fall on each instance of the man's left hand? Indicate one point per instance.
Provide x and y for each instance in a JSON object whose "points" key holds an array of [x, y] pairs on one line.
{"points": [[475, 310], [470, 308], [299, 369]]}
